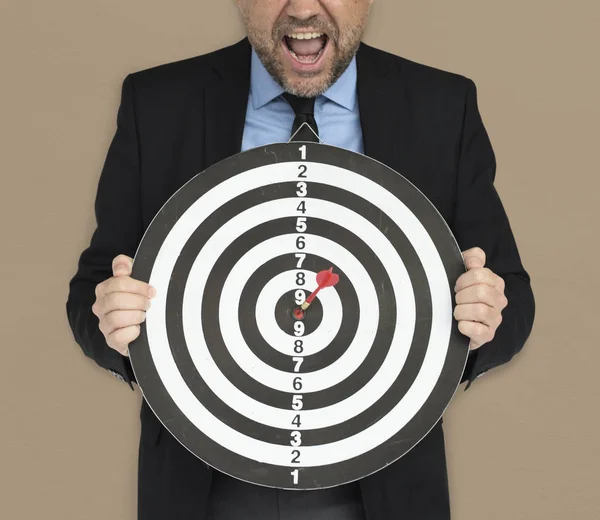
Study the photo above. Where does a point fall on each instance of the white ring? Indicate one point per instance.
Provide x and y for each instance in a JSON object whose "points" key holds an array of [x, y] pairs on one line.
{"points": [[316, 381], [403, 411], [368, 324], [278, 339]]}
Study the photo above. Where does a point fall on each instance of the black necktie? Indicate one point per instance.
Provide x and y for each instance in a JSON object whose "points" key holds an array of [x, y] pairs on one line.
{"points": [[304, 109]]}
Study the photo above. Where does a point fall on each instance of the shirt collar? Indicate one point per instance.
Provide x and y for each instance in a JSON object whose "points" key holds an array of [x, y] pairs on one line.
{"points": [[265, 89]]}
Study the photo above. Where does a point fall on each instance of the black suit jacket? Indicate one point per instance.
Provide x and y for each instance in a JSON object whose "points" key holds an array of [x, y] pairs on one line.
{"points": [[177, 119]]}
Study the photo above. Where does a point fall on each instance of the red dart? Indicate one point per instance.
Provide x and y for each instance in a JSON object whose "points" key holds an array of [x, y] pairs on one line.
{"points": [[324, 279]]}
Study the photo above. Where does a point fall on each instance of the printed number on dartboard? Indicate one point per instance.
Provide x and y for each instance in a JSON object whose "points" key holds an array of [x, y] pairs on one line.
{"points": [[299, 296]]}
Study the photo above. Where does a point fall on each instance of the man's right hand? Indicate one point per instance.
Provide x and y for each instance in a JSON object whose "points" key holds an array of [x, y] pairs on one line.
{"points": [[121, 304]]}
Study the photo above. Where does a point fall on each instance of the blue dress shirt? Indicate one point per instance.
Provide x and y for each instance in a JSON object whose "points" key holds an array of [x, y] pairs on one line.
{"points": [[269, 117]]}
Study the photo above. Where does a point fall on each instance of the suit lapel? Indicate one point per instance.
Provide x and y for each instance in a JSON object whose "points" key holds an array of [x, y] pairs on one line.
{"points": [[225, 101], [381, 107]]}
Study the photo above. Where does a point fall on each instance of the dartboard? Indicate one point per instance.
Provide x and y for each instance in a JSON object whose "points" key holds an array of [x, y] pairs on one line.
{"points": [[302, 335]]}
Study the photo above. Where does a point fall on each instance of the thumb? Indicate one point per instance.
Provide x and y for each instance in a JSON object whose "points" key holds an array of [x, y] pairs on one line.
{"points": [[122, 265], [474, 257]]}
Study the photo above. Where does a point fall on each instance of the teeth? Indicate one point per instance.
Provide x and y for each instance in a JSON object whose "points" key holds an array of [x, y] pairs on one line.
{"points": [[305, 59], [304, 36]]}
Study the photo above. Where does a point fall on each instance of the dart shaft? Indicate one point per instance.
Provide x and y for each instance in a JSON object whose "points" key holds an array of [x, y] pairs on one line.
{"points": [[313, 295], [324, 283], [310, 299]]}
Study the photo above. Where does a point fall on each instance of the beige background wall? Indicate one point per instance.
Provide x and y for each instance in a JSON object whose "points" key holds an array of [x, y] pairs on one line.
{"points": [[522, 443]]}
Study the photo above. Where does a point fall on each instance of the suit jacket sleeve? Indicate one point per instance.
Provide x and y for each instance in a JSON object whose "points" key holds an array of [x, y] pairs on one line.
{"points": [[118, 231], [480, 221]]}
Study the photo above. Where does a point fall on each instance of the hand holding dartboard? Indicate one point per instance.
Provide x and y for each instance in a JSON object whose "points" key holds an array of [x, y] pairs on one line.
{"points": [[302, 335]]}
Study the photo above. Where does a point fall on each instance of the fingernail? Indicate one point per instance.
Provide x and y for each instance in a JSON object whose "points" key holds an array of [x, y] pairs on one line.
{"points": [[152, 292]]}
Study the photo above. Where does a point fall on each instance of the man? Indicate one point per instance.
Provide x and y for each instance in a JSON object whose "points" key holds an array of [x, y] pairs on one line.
{"points": [[177, 119]]}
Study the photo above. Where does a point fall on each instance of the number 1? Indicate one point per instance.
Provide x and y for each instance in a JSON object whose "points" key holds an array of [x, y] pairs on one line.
{"points": [[303, 152]]}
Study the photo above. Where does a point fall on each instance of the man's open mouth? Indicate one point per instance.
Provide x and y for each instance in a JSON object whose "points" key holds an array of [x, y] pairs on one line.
{"points": [[306, 47]]}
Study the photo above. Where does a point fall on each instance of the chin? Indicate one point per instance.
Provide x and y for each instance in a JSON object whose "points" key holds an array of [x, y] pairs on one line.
{"points": [[307, 84]]}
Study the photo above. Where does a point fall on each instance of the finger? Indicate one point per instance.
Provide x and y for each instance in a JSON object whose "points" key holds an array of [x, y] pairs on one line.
{"points": [[474, 257], [122, 265], [479, 312], [121, 338], [121, 302], [478, 275], [481, 294], [120, 319], [477, 332], [126, 284]]}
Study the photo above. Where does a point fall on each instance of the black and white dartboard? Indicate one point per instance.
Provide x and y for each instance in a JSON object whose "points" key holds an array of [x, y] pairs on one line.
{"points": [[262, 389]]}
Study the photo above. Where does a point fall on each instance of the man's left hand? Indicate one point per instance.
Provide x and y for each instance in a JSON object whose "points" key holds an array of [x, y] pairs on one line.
{"points": [[480, 299]]}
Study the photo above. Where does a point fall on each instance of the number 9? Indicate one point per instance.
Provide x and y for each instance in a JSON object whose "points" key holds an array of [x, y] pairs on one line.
{"points": [[298, 328], [300, 296]]}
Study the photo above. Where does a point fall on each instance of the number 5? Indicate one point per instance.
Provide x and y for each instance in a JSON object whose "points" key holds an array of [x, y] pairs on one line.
{"points": [[301, 224]]}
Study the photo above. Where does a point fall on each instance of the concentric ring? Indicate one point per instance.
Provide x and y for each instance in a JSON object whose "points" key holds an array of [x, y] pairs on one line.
{"points": [[283, 314], [376, 445], [278, 339]]}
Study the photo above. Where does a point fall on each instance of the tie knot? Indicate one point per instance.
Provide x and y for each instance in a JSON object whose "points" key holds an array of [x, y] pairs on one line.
{"points": [[300, 105]]}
